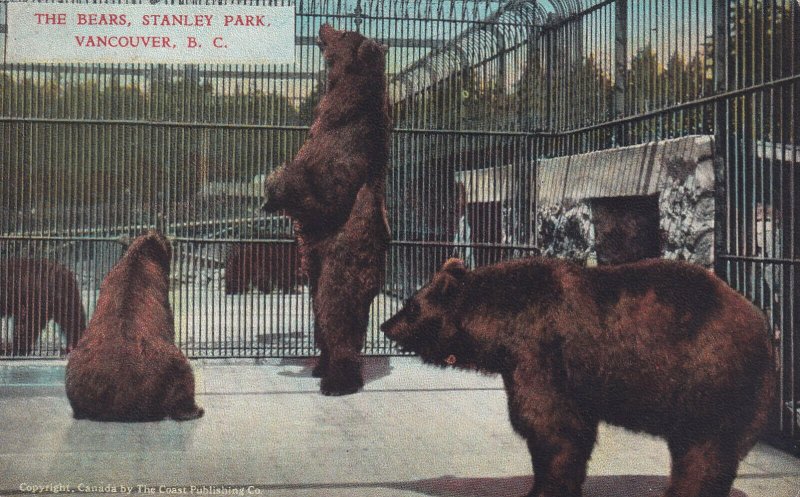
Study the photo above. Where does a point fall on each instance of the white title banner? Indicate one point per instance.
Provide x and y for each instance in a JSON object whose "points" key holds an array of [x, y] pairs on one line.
{"points": [[187, 34]]}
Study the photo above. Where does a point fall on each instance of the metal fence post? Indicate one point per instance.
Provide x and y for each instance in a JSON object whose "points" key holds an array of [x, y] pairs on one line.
{"points": [[358, 16], [4, 32], [620, 66], [720, 23], [549, 51]]}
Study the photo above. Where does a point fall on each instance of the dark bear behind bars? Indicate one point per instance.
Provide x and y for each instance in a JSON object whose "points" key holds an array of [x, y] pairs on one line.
{"points": [[35, 291]]}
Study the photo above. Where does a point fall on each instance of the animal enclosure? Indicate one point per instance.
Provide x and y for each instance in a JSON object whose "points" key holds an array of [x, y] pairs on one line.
{"points": [[521, 127]]}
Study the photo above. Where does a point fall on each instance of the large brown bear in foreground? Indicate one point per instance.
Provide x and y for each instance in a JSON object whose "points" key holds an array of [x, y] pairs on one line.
{"points": [[266, 266], [127, 367], [33, 292], [334, 190], [655, 346]]}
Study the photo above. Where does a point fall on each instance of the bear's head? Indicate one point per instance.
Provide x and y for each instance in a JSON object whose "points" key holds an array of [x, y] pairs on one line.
{"points": [[350, 53], [153, 246], [429, 323]]}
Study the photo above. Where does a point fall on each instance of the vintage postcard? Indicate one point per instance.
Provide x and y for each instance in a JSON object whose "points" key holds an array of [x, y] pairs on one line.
{"points": [[344, 248]]}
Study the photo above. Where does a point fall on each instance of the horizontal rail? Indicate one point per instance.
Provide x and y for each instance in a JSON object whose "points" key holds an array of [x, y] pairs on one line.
{"points": [[391, 42], [149, 122], [540, 133], [271, 127], [189, 239], [118, 69], [676, 108], [759, 259], [422, 243], [82, 233], [124, 239]]}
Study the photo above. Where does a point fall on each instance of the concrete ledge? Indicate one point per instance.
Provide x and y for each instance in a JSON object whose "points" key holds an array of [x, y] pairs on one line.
{"points": [[636, 170]]}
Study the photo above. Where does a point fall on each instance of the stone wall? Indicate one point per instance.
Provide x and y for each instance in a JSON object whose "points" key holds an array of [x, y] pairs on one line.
{"points": [[680, 172]]}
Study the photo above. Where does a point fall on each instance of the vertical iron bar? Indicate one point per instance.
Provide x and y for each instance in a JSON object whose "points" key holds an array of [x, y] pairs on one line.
{"points": [[720, 26], [620, 64]]}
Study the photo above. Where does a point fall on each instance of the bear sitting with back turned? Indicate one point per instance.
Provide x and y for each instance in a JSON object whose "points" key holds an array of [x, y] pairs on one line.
{"points": [[126, 366], [334, 190], [655, 346]]}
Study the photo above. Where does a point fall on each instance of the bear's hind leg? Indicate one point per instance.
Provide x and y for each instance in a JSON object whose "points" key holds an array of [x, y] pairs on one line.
{"points": [[343, 377], [341, 314], [314, 270], [341, 337], [321, 369], [179, 401], [181, 406], [27, 326], [704, 468]]}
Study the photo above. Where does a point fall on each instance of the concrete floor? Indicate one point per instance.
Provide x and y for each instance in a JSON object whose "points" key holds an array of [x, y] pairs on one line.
{"points": [[415, 430]]}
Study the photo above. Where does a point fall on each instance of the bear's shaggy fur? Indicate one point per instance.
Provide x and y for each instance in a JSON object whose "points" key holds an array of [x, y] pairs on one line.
{"points": [[126, 366], [266, 266], [334, 190], [655, 346], [33, 292]]}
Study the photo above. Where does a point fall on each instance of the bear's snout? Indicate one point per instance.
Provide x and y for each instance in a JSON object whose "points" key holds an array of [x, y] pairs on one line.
{"points": [[390, 327], [271, 192], [268, 204]]}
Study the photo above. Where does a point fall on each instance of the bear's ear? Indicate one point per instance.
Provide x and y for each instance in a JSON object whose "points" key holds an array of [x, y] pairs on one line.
{"points": [[448, 280], [326, 33], [371, 52], [455, 267]]}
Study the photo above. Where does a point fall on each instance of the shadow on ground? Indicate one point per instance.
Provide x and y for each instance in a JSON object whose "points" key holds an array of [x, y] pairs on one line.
{"points": [[375, 368], [514, 486]]}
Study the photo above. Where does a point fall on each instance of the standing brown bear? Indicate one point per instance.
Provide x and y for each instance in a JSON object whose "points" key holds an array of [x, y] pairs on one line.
{"points": [[33, 292], [126, 366], [655, 346], [334, 190], [266, 266]]}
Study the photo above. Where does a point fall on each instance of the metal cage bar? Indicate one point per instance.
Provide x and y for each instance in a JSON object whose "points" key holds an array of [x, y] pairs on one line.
{"points": [[93, 153], [485, 94]]}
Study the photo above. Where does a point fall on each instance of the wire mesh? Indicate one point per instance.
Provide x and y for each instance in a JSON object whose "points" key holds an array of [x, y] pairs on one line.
{"points": [[482, 92], [625, 72], [759, 228], [96, 152]]}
